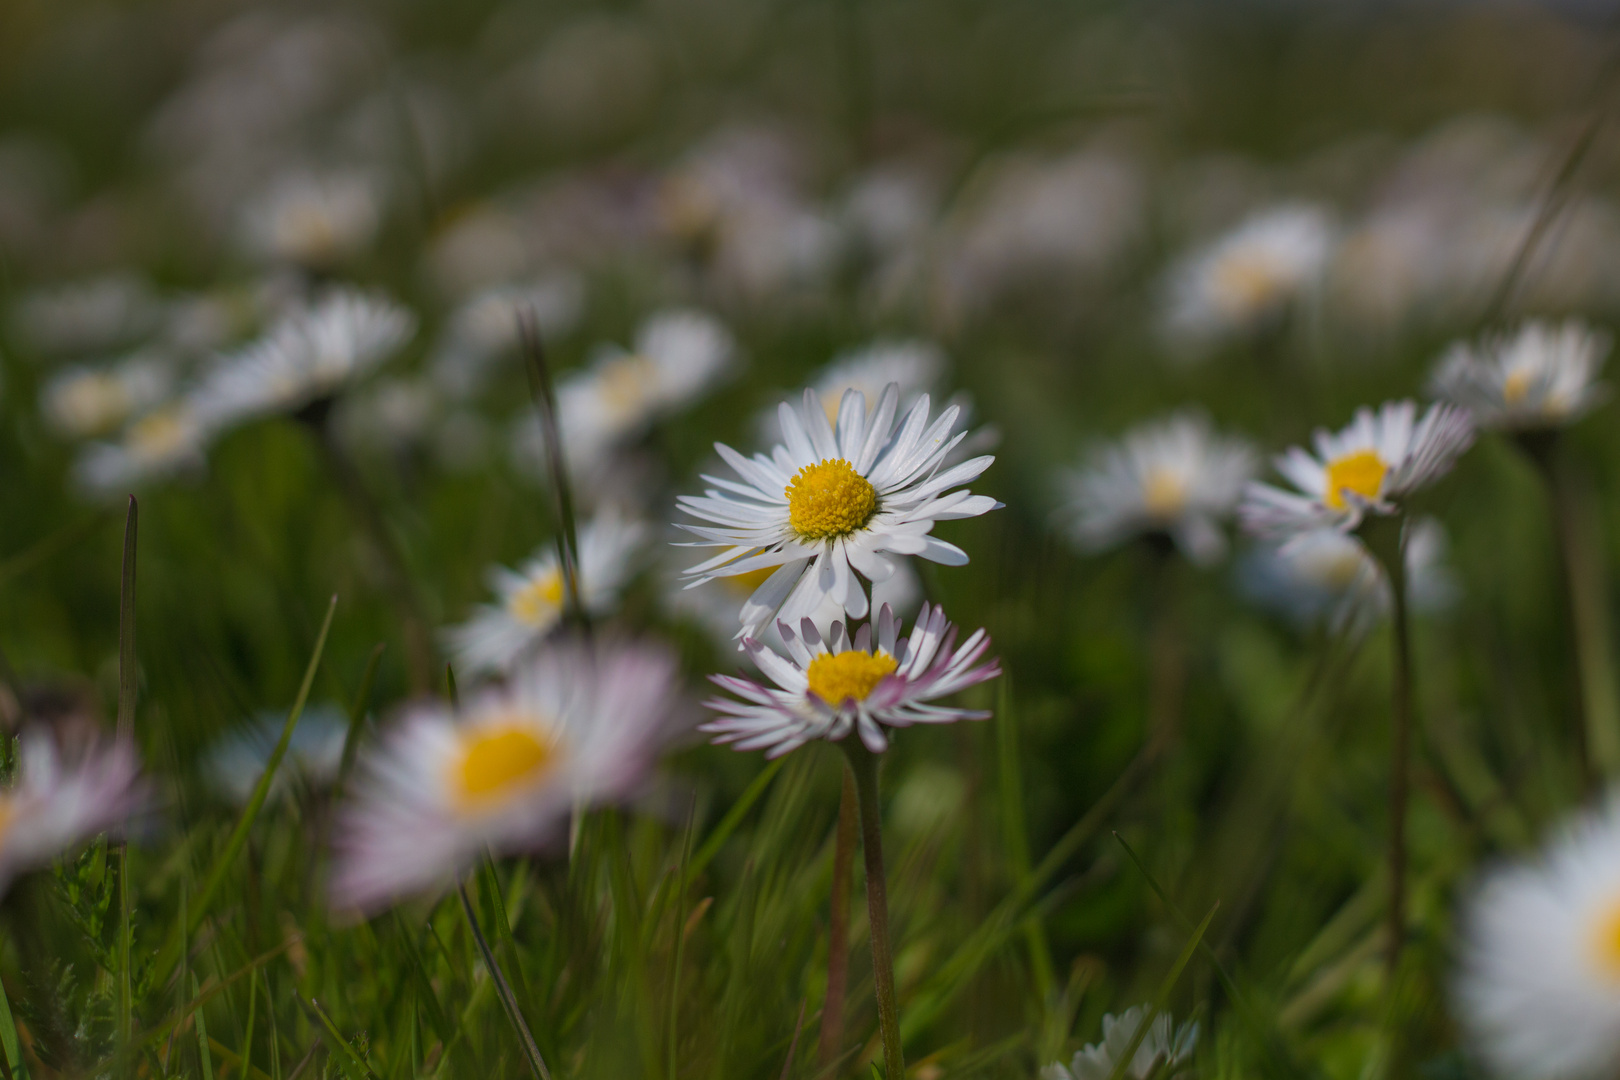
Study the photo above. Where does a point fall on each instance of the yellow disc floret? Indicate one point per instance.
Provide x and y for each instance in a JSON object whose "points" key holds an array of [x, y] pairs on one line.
{"points": [[497, 759], [1164, 493], [1362, 472], [839, 677], [539, 601], [1606, 941], [1516, 387], [829, 499]]}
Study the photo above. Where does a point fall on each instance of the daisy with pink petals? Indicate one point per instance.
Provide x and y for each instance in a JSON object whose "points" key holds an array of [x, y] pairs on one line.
{"points": [[827, 687]]}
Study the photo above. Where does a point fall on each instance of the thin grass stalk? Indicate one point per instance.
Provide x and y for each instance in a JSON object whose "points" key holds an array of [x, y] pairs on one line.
{"points": [[680, 944], [864, 765], [128, 688], [503, 990], [832, 1009], [543, 389]]}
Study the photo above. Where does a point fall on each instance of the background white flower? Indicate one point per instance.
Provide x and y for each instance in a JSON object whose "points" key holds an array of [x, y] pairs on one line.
{"points": [[1543, 376], [1162, 1052]]}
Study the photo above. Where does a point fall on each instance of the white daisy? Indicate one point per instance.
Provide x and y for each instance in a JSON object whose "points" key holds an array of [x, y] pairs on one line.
{"points": [[831, 500], [1544, 376], [1369, 467], [531, 601], [1539, 986], [168, 440], [314, 220], [84, 402], [310, 354], [1175, 477], [1162, 1052], [679, 354], [827, 687], [573, 726], [1249, 276], [235, 763], [485, 327], [57, 802], [1329, 576]]}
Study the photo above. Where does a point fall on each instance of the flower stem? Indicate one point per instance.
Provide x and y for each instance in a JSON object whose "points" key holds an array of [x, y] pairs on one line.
{"points": [[1385, 537], [864, 764], [832, 1010]]}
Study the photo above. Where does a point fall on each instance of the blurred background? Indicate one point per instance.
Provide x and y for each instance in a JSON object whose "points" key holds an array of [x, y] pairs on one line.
{"points": [[1008, 201]]}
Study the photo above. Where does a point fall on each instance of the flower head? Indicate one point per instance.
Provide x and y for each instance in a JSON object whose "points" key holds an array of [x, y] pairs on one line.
{"points": [[85, 402], [1541, 377], [1249, 276], [827, 687], [573, 726], [1539, 984], [1175, 477], [531, 601], [1162, 1051], [314, 753], [56, 802], [314, 220], [1368, 468], [167, 440], [310, 354], [830, 501]]}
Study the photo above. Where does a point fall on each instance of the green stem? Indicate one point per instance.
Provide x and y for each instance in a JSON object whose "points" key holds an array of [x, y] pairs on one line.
{"points": [[864, 764], [832, 1010]]}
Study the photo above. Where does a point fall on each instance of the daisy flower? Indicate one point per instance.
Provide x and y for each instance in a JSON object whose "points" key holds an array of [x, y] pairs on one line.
{"points": [[168, 440], [1328, 575], [831, 501], [1544, 376], [1162, 1052], [827, 687], [1369, 467], [1539, 983], [56, 803], [310, 354], [485, 327], [313, 220], [678, 355], [1249, 276], [572, 727], [235, 762], [1174, 477], [85, 402], [530, 601]]}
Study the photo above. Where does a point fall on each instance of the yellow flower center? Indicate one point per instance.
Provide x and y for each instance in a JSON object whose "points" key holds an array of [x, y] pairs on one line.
{"points": [[539, 601], [495, 760], [158, 436], [1516, 387], [1164, 492], [829, 499], [1362, 472], [838, 677], [93, 403], [1606, 942], [8, 811], [1244, 283], [625, 381]]}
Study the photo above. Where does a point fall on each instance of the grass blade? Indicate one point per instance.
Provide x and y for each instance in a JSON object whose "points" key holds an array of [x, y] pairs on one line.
{"points": [[15, 1066], [739, 810], [128, 687], [345, 1053], [357, 716], [503, 989], [202, 1035]]}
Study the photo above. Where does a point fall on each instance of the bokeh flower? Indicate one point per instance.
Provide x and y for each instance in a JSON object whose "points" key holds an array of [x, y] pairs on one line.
{"points": [[1175, 477], [531, 601], [572, 727], [1542, 376], [1370, 467], [828, 687], [168, 440], [1164, 1050], [831, 501], [59, 800]]}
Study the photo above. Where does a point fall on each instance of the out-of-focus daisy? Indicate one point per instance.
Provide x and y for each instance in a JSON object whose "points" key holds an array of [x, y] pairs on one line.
{"points": [[831, 501], [573, 726], [1369, 467], [677, 356], [1544, 376], [1175, 477], [486, 326], [531, 601], [85, 402], [915, 366], [1538, 989], [310, 354], [1164, 1050], [1249, 276], [826, 688], [314, 220], [235, 763], [57, 801], [1326, 575], [170, 439]]}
